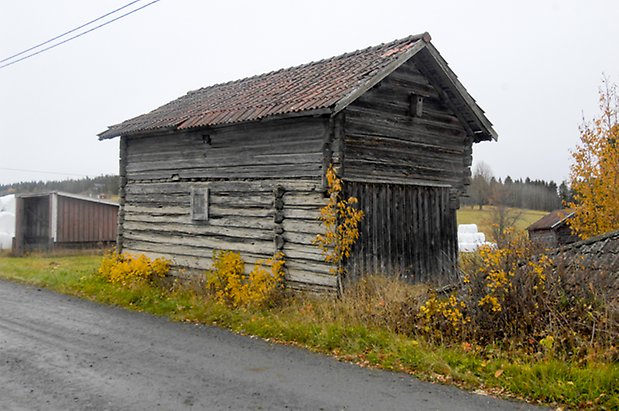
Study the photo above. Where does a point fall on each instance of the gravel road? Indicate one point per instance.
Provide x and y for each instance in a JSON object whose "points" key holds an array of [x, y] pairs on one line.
{"points": [[63, 353]]}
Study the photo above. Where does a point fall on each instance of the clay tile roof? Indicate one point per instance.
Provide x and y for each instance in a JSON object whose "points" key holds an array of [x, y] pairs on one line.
{"points": [[551, 220], [328, 84]]}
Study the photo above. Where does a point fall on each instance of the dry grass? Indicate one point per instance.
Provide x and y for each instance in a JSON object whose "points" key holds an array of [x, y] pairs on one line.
{"points": [[373, 301]]}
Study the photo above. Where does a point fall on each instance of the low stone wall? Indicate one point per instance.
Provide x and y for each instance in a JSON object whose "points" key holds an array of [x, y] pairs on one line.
{"points": [[592, 262]]}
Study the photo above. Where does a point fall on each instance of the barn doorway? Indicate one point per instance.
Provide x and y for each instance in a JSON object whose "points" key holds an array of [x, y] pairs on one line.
{"points": [[408, 231]]}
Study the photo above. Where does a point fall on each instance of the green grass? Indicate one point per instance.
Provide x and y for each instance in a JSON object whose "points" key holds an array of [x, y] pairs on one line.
{"points": [[473, 215], [507, 374]]}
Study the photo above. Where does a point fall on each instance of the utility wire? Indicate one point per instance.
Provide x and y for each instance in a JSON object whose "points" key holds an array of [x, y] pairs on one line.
{"points": [[77, 35], [42, 172], [68, 32]]}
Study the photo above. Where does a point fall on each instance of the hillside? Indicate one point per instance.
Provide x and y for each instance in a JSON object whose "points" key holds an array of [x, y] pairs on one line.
{"points": [[472, 215]]}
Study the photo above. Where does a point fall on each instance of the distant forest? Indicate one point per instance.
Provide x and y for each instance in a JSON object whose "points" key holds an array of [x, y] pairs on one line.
{"points": [[102, 186], [530, 194], [484, 190]]}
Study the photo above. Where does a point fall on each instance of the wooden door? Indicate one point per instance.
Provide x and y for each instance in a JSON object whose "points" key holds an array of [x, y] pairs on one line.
{"points": [[408, 231]]}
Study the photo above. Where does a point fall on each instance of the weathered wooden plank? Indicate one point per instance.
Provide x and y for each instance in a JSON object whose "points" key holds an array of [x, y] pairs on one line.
{"points": [[311, 199], [299, 238], [157, 211], [307, 170], [236, 161], [199, 229], [391, 145], [311, 277], [225, 186], [220, 211], [301, 214], [303, 226], [214, 243], [399, 124]]}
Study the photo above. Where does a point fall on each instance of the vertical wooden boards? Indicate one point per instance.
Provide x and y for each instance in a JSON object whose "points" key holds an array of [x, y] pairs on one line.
{"points": [[407, 232], [84, 221]]}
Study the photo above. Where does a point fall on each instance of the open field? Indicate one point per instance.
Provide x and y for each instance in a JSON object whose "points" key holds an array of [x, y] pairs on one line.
{"points": [[473, 215]]}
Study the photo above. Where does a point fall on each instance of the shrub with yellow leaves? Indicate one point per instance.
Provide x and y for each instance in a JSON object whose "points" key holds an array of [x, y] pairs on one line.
{"points": [[340, 219], [442, 317], [229, 284], [516, 295], [126, 268]]}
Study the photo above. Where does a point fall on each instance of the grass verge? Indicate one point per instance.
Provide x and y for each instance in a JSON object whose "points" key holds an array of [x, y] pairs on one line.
{"points": [[321, 325]]}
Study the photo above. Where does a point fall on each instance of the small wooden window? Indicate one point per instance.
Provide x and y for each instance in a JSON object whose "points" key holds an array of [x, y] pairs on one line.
{"points": [[416, 105], [199, 203]]}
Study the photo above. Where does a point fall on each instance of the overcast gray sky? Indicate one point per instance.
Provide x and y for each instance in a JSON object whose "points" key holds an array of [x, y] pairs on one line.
{"points": [[533, 66]]}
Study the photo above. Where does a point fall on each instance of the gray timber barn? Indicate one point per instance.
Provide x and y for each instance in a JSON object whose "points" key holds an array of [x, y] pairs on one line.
{"points": [[241, 165]]}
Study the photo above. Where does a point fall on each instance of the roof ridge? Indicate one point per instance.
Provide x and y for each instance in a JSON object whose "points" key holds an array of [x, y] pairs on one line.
{"points": [[425, 36]]}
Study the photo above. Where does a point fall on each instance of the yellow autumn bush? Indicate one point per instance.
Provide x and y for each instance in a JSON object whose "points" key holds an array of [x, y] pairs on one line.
{"points": [[227, 280], [124, 269], [442, 317], [516, 296], [340, 219]]}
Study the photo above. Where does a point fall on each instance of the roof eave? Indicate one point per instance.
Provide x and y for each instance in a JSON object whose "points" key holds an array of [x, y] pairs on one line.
{"points": [[562, 221], [316, 112], [486, 131], [110, 133]]}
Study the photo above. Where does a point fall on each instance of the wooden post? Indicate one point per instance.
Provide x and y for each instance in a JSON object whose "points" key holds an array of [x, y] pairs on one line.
{"points": [[122, 169], [18, 243]]}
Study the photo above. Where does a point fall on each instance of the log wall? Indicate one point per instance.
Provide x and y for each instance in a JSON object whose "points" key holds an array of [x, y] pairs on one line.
{"points": [[386, 141], [264, 185]]}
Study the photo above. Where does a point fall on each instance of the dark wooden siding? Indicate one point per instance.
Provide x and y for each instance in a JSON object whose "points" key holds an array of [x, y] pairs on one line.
{"points": [[408, 232], [82, 221], [384, 142], [554, 237], [241, 166], [35, 222]]}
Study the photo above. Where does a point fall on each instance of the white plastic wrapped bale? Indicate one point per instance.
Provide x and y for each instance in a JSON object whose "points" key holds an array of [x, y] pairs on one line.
{"points": [[467, 229], [7, 203], [467, 247], [6, 241], [7, 221], [469, 239]]}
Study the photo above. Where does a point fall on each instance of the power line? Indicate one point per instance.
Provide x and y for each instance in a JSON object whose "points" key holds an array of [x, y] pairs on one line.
{"points": [[74, 37], [42, 172], [69, 32]]}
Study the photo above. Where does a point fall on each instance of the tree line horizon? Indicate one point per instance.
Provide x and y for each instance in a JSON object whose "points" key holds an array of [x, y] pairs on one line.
{"points": [[521, 193], [486, 189]]}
